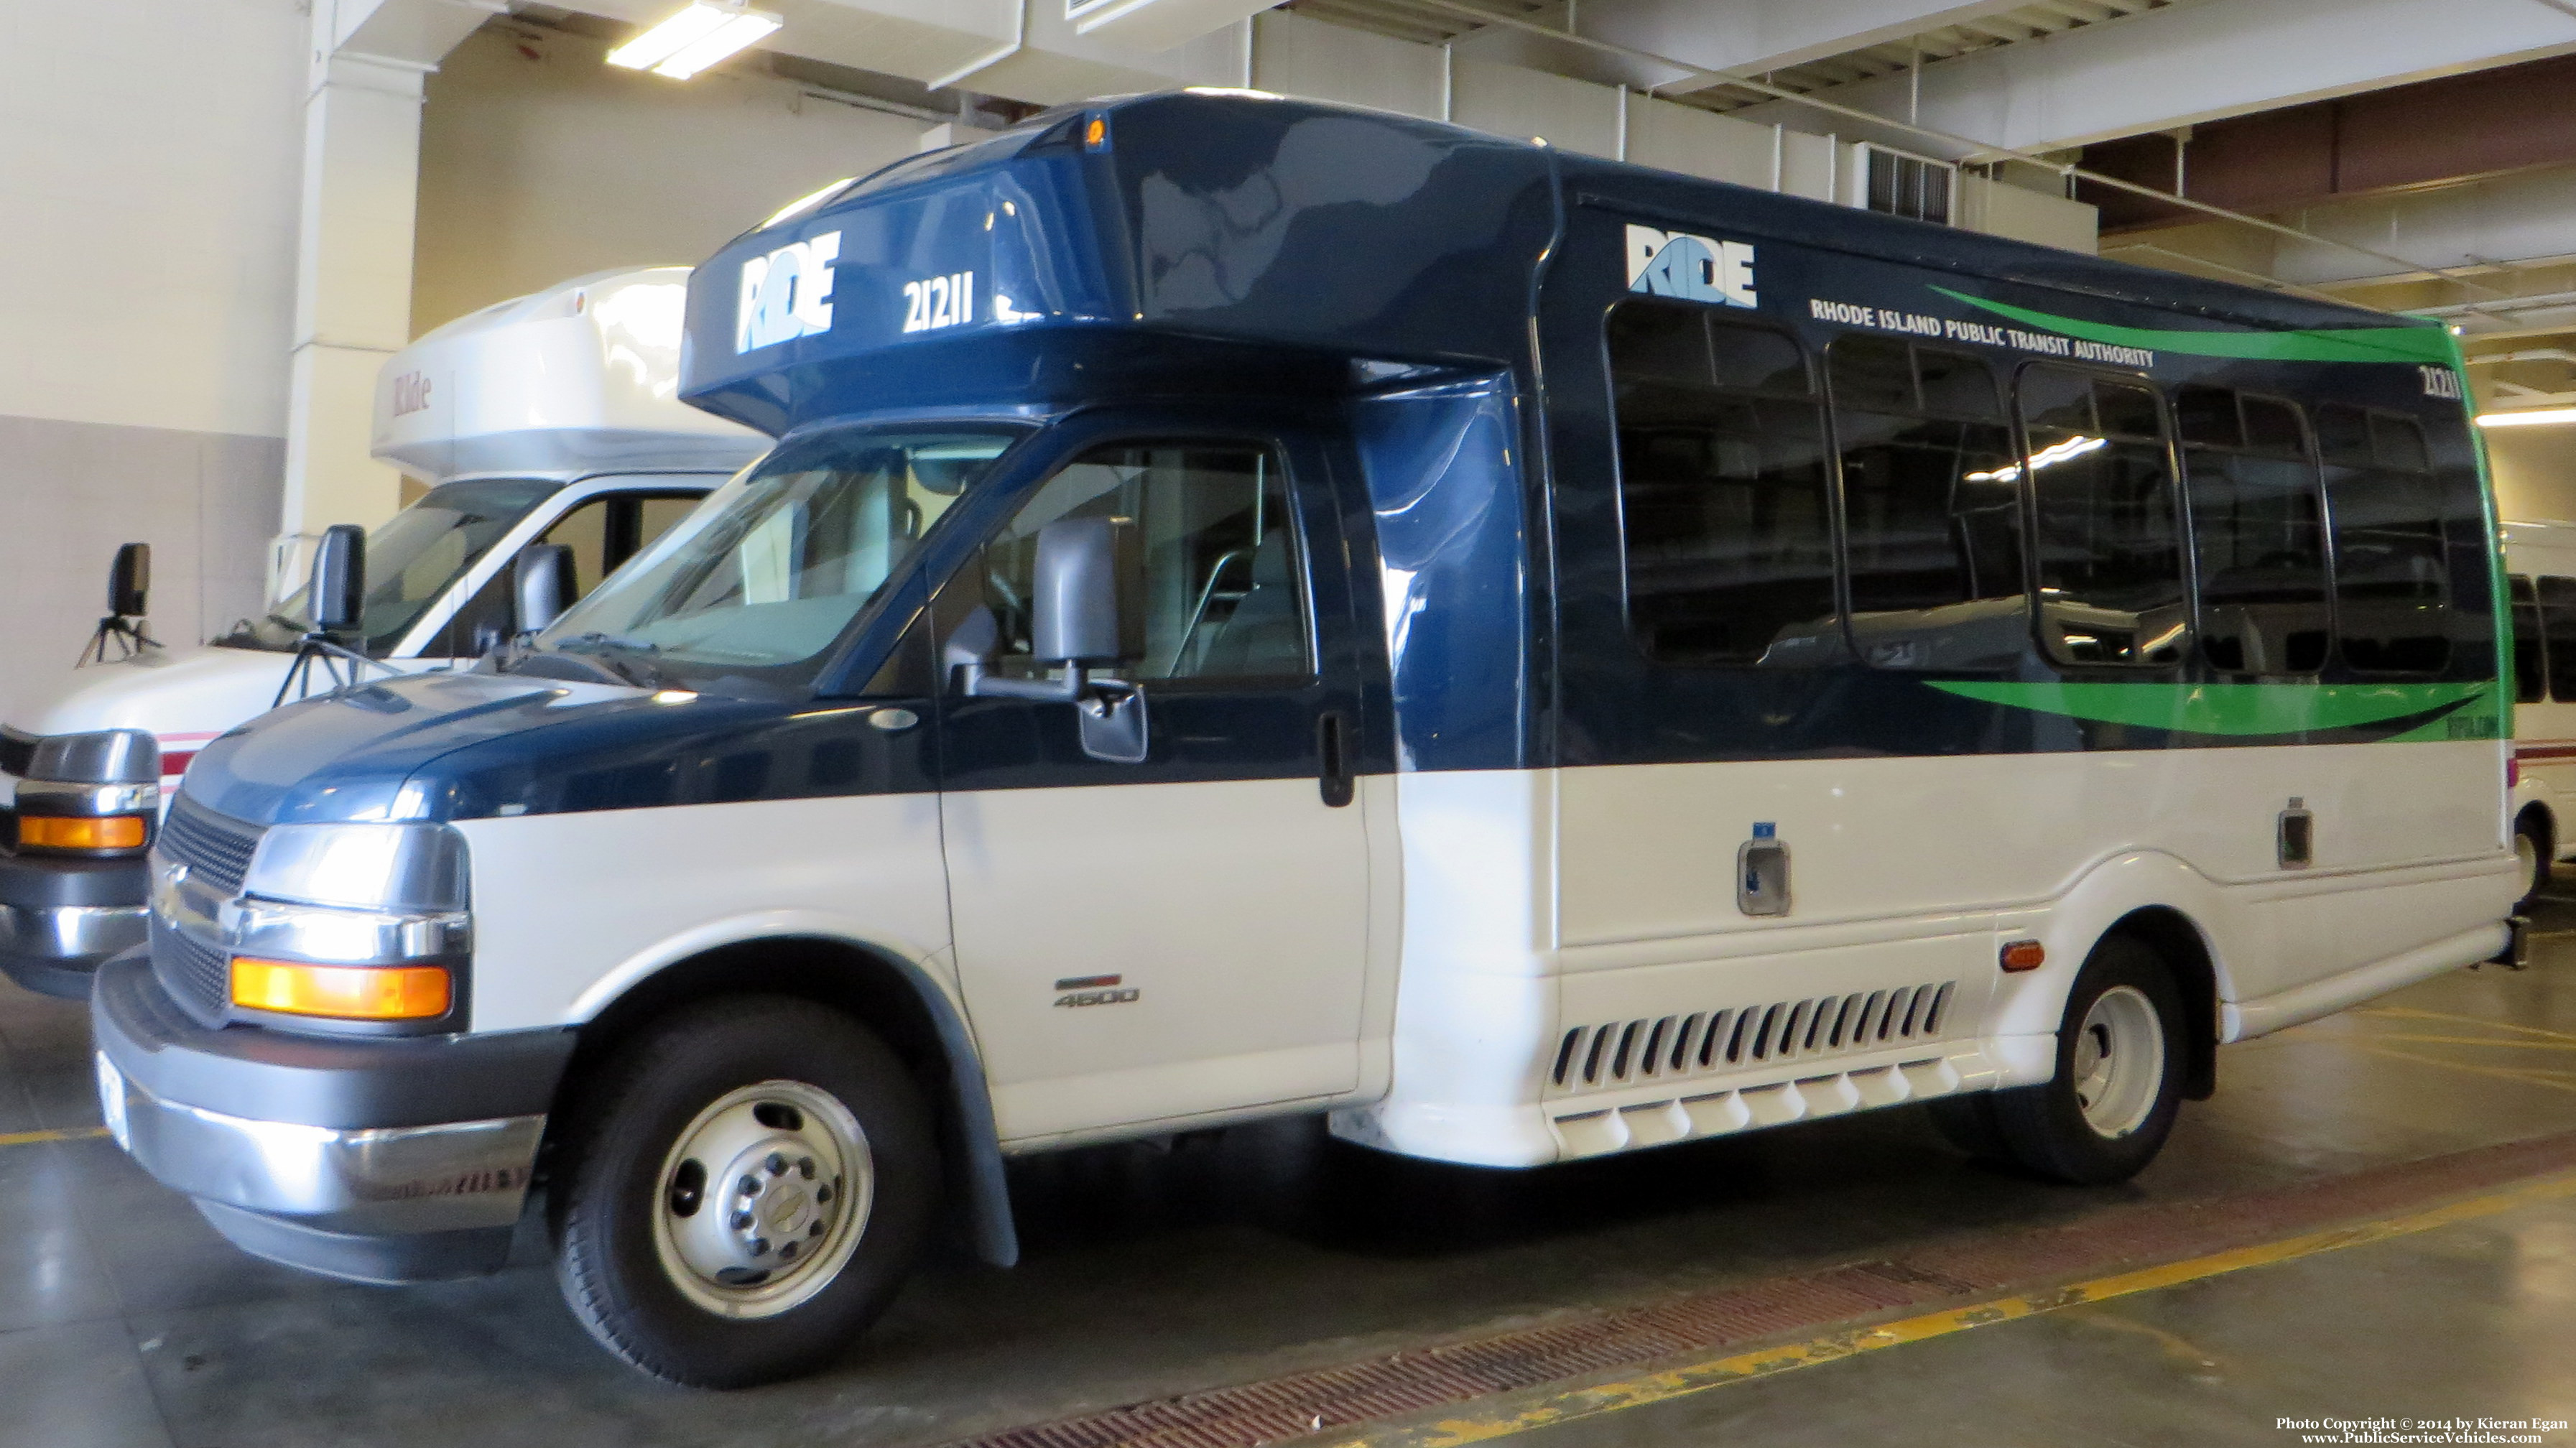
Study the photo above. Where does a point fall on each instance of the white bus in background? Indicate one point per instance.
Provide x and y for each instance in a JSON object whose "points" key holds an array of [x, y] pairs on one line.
{"points": [[2540, 572], [551, 418]]}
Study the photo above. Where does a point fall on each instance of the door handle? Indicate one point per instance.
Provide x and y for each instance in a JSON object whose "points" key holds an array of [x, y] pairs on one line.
{"points": [[1333, 759]]}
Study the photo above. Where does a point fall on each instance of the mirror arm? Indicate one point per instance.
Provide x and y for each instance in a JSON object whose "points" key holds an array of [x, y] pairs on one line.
{"points": [[976, 683]]}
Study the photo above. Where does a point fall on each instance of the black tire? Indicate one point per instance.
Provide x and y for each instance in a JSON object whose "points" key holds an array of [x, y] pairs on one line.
{"points": [[2531, 841], [607, 1197], [2043, 1129], [1968, 1123]]}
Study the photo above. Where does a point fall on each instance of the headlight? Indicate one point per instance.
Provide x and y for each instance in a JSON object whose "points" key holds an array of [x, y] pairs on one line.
{"points": [[93, 794], [360, 922]]}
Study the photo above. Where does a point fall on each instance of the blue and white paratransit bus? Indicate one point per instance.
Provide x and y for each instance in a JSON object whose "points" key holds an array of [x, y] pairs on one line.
{"points": [[1261, 608]]}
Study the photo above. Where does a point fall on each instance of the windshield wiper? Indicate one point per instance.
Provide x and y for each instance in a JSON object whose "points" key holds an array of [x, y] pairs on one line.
{"points": [[604, 648], [594, 641]]}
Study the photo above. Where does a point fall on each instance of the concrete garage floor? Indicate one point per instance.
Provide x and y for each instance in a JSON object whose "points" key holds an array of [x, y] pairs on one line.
{"points": [[125, 1320]]}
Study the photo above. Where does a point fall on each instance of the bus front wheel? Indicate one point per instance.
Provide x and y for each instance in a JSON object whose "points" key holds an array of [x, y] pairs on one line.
{"points": [[740, 1190], [2118, 1085]]}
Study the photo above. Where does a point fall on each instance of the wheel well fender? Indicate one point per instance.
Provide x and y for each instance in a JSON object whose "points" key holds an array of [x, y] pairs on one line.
{"points": [[2173, 936], [2546, 825], [893, 997], [2152, 896]]}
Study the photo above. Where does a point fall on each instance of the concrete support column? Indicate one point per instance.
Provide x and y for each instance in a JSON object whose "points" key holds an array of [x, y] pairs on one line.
{"points": [[353, 278]]}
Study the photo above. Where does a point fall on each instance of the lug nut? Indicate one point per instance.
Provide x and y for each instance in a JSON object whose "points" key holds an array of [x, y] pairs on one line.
{"points": [[749, 1186], [760, 1246], [805, 1167], [823, 1193], [741, 1222], [777, 1164], [815, 1230], [787, 1252]]}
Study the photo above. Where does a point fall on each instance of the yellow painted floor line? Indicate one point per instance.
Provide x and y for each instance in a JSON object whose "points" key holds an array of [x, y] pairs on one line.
{"points": [[1652, 1388], [2410, 1013], [67, 1133], [2528, 1076], [2500, 1042]]}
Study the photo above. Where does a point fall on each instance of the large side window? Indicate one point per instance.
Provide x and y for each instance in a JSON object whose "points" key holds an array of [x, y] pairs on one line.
{"points": [[2391, 578], [1722, 501], [2258, 528], [2557, 600], [1224, 576], [2109, 544], [1931, 507], [2530, 653]]}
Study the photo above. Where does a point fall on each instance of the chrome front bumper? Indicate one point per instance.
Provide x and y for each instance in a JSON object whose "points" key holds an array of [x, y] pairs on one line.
{"points": [[56, 948], [393, 1181]]}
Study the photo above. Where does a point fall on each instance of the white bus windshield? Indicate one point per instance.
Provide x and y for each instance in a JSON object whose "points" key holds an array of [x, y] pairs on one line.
{"points": [[413, 558]]}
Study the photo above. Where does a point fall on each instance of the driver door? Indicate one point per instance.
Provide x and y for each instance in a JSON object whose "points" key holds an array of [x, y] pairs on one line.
{"points": [[1186, 934]]}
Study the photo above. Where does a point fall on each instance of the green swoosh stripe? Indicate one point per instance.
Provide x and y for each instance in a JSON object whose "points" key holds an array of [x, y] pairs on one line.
{"points": [[2233, 710], [2427, 344]]}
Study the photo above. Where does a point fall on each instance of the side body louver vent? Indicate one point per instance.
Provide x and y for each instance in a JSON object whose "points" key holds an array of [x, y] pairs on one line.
{"points": [[1737, 1038]]}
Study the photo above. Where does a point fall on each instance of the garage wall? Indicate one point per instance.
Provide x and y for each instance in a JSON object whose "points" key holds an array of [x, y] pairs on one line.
{"points": [[147, 235], [2534, 469], [539, 163]]}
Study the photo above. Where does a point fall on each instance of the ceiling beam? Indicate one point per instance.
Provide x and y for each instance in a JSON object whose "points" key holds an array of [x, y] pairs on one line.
{"points": [[1751, 37], [2185, 64]]}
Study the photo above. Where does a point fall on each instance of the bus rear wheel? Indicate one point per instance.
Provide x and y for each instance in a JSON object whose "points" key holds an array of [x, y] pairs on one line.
{"points": [[2531, 851], [2118, 1085], [740, 1191]]}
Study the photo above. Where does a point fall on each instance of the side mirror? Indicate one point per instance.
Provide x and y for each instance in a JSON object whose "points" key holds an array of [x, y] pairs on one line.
{"points": [[339, 578], [1086, 606], [129, 580], [541, 585], [1085, 611]]}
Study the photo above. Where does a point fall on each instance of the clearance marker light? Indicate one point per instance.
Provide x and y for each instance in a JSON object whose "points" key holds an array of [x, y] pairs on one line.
{"points": [[2024, 955], [353, 992], [698, 37]]}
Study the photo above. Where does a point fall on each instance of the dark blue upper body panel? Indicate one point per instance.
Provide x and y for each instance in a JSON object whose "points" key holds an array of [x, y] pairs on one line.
{"points": [[1425, 302], [1268, 224]]}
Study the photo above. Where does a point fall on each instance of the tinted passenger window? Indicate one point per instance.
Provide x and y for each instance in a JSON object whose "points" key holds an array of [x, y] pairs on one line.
{"points": [[2109, 546], [2391, 574], [1224, 591], [2530, 656], [2258, 527], [2557, 598], [1722, 502], [1931, 507]]}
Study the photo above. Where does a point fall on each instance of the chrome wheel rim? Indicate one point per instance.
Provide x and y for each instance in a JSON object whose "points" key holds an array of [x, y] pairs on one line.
{"points": [[2119, 1061], [762, 1199]]}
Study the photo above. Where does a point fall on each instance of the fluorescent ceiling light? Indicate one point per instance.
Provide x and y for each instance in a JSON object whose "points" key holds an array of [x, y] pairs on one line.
{"points": [[694, 39], [2047, 457], [2529, 417]]}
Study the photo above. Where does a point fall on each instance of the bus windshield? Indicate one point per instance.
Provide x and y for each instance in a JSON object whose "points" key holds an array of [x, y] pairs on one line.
{"points": [[796, 548], [413, 558]]}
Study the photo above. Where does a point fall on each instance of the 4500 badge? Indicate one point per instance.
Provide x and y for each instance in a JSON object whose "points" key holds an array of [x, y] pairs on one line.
{"points": [[1094, 990]]}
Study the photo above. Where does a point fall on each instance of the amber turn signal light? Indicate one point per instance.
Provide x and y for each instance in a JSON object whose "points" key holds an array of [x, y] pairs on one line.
{"points": [[351, 992], [2024, 955], [81, 832]]}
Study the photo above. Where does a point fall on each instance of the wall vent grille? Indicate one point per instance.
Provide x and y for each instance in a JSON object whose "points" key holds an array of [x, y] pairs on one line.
{"points": [[1703, 1042]]}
